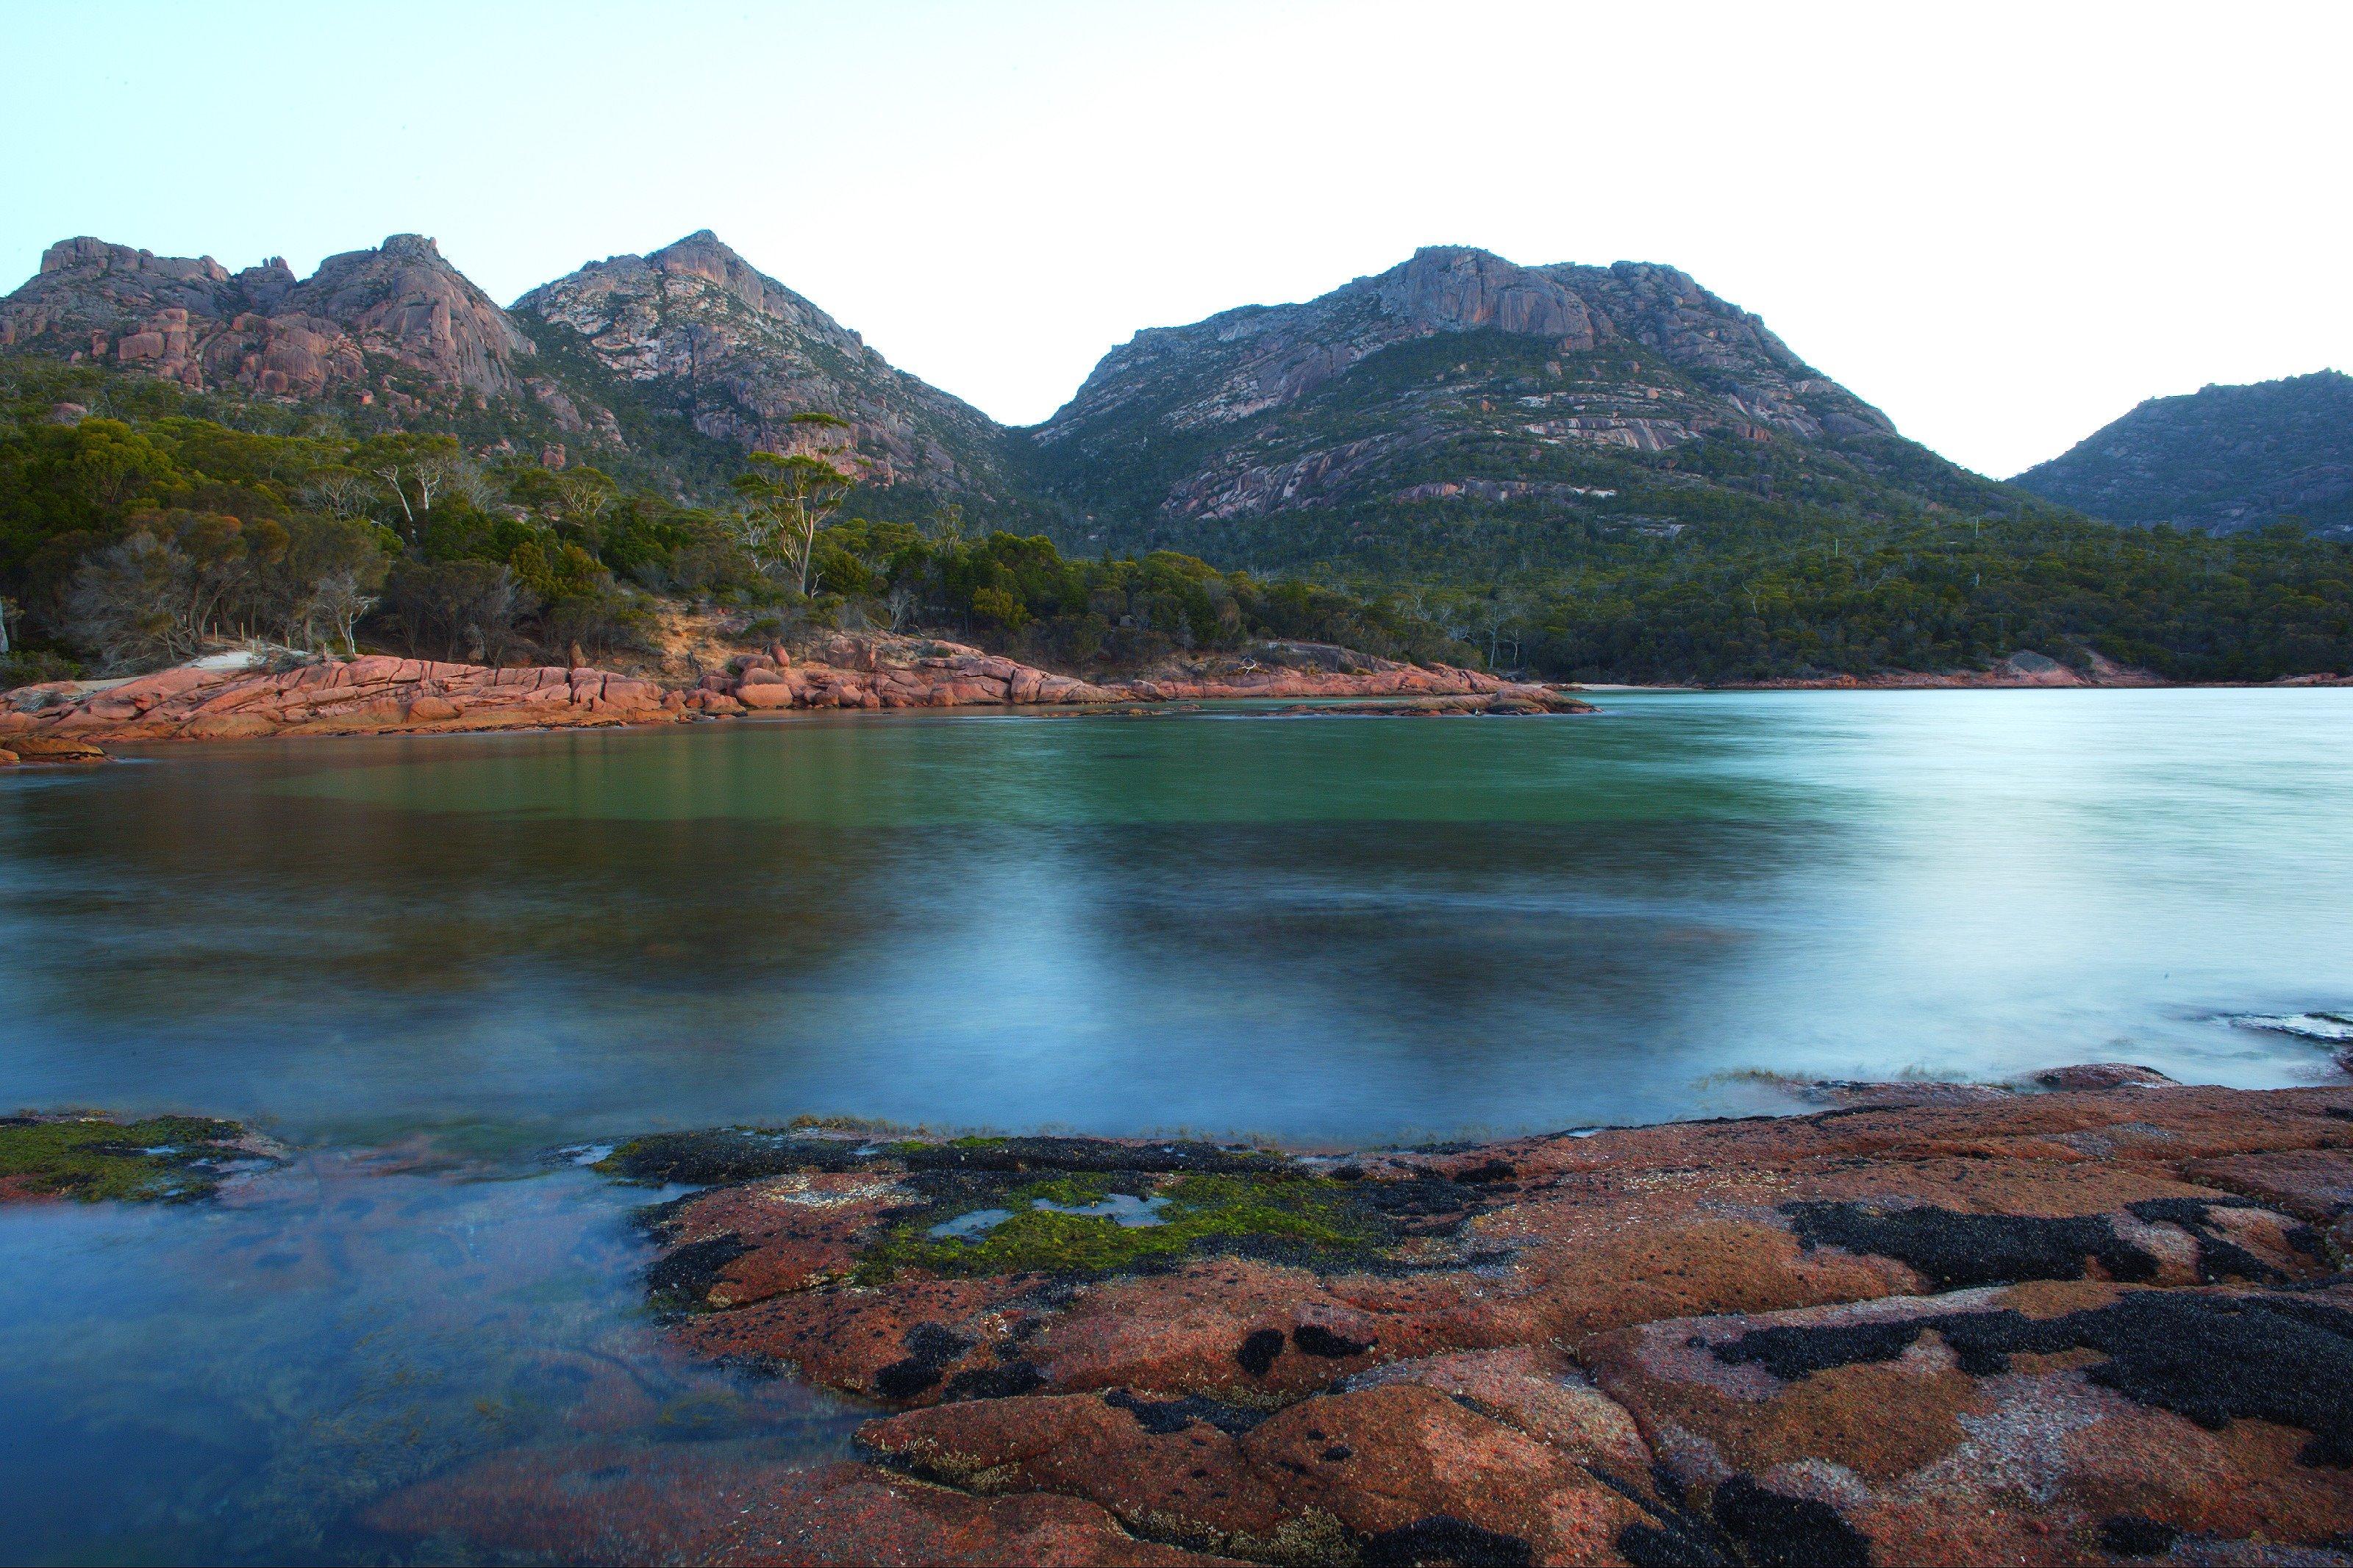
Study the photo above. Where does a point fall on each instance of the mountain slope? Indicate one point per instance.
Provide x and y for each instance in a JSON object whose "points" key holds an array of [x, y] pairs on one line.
{"points": [[1459, 381], [2222, 459], [738, 354]]}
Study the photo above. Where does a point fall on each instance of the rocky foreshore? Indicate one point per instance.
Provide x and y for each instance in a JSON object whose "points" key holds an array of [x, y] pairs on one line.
{"points": [[383, 695], [2108, 1320]]}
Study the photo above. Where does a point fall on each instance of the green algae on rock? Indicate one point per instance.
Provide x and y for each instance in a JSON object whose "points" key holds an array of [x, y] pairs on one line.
{"points": [[1313, 1218], [170, 1159]]}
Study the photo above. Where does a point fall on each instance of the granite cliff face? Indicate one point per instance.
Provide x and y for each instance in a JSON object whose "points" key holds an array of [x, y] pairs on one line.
{"points": [[2224, 459], [1455, 374], [397, 321], [740, 355]]}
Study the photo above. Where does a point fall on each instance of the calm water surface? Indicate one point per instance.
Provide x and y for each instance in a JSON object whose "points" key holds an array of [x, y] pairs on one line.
{"points": [[1329, 929], [453, 953]]}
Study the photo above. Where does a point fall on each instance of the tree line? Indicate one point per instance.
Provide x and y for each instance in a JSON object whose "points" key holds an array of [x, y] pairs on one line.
{"points": [[128, 544]]}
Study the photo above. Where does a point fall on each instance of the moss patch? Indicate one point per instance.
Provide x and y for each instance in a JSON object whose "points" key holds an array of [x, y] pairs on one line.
{"points": [[163, 1158], [1310, 1217]]}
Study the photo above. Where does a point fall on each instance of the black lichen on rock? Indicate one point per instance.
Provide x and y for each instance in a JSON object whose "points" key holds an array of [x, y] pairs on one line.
{"points": [[1955, 1250], [2209, 1357]]}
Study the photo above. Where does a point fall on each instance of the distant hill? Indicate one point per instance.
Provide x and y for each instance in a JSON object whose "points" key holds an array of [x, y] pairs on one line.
{"points": [[2224, 459]]}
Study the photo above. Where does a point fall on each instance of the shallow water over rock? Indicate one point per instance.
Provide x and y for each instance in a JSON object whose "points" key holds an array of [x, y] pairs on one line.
{"points": [[245, 1380]]}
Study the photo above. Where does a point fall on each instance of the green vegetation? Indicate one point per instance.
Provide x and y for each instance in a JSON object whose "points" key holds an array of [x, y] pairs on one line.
{"points": [[1756, 598], [166, 1158], [126, 542], [2226, 459], [1203, 1214], [1722, 557], [167, 517]]}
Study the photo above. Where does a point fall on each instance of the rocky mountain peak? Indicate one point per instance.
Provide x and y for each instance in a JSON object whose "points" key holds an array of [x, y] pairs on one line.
{"points": [[1355, 398], [744, 355], [87, 255], [191, 320], [1456, 289], [402, 300]]}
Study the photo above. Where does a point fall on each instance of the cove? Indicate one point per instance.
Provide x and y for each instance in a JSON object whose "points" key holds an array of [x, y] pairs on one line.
{"points": [[1333, 930]]}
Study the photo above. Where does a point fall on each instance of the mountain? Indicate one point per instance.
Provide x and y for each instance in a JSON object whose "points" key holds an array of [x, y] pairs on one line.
{"points": [[397, 321], [738, 354], [2222, 459], [1458, 380], [664, 369]]}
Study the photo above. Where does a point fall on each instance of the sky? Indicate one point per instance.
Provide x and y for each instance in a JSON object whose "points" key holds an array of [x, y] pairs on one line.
{"points": [[2003, 224]]}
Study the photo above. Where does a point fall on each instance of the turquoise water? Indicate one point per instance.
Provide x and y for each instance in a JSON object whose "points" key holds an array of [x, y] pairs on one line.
{"points": [[1321, 929], [431, 961]]}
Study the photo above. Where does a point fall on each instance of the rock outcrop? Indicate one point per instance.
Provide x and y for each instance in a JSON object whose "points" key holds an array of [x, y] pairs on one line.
{"points": [[375, 695], [64, 721], [889, 671], [2038, 1327], [742, 355], [397, 320]]}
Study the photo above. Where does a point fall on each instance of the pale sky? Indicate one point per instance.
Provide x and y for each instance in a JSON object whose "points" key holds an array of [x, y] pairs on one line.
{"points": [[2005, 225]]}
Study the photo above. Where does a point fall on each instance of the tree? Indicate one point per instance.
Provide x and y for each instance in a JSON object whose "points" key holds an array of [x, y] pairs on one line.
{"points": [[128, 603], [788, 498], [339, 492], [340, 600], [468, 607], [420, 464], [324, 566], [1497, 615]]}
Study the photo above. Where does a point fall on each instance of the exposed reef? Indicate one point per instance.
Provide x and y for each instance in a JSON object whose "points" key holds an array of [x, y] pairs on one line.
{"points": [[2041, 1328]]}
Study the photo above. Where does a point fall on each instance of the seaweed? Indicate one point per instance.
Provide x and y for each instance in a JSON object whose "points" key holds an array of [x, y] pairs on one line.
{"points": [[1163, 1417], [1442, 1538]]}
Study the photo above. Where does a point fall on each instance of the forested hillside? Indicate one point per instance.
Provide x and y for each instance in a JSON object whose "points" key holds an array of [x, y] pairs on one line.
{"points": [[126, 540], [2224, 459]]}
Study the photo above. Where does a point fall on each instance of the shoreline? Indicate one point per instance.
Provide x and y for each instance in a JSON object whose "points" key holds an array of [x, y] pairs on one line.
{"points": [[1832, 1336], [380, 695], [71, 722]]}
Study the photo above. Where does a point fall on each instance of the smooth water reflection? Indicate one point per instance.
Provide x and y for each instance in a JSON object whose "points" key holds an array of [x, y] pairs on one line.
{"points": [[1329, 929]]}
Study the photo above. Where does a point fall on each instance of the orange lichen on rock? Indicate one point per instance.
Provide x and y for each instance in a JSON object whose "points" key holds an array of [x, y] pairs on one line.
{"points": [[2034, 1327]]}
